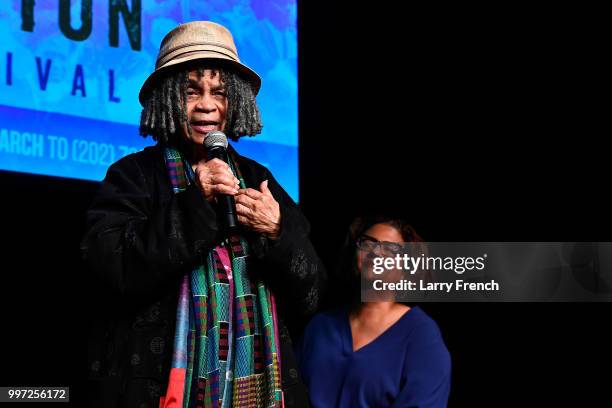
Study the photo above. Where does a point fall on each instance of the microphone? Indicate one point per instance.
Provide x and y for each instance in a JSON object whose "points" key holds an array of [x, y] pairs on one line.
{"points": [[215, 143]]}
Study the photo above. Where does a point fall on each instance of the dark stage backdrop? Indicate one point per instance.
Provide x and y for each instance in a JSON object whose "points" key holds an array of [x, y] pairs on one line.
{"points": [[480, 123], [475, 124]]}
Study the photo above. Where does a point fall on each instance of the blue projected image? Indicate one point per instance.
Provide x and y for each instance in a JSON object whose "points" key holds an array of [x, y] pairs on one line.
{"points": [[70, 77]]}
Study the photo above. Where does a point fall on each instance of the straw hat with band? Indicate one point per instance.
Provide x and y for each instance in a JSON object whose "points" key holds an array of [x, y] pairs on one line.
{"points": [[198, 40]]}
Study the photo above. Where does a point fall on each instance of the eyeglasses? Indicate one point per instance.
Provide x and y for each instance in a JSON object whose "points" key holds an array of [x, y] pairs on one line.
{"points": [[370, 244]]}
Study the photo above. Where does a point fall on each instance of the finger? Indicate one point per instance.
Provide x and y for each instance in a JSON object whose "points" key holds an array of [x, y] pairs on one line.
{"points": [[244, 220], [219, 169], [243, 210], [264, 188], [199, 166], [223, 189], [245, 200], [202, 171], [250, 192], [208, 192], [217, 164], [222, 178]]}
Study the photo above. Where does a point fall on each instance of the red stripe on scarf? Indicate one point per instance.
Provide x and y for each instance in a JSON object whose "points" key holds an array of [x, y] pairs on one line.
{"points": [[176, 389]]}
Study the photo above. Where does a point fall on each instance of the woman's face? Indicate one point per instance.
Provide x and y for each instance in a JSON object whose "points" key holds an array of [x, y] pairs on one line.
{"points": [[206, 105], [380, 240]]}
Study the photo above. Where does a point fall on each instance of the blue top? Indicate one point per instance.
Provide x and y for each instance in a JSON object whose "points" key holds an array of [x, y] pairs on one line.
{"points": [[408, 365]]}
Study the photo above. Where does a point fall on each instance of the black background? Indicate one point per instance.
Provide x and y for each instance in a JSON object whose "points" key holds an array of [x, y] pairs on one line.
{"points": [[475, 123]]}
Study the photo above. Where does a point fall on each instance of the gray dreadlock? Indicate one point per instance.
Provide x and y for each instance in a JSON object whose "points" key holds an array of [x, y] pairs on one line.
{"points": [[165, 107]]}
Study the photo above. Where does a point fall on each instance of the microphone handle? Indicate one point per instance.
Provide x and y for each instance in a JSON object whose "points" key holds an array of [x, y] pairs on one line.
{"points": [[226, 202]]}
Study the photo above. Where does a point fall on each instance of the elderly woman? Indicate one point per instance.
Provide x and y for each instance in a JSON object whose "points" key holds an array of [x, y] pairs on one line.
{"points": [[374, 354], [202, 314]]}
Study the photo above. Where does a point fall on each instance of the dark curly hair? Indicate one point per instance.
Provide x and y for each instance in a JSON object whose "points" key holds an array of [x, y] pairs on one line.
{"points": [[345, 282], [165, 106]]}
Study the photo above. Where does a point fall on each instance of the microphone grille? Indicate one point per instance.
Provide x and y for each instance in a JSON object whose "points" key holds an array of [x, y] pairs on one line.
{"points": [[215, 138]]}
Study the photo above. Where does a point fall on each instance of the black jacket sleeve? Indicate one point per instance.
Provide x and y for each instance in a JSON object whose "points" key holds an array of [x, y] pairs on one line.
{"points": [[293, 269], [141, 237]]}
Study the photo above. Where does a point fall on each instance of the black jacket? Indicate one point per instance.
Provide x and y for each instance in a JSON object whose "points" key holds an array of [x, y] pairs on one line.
{"points": [[141, 239]]}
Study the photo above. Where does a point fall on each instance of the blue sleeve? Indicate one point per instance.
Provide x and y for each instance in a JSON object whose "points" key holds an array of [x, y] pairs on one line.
{"points": [[428, 372], [301, 348]]}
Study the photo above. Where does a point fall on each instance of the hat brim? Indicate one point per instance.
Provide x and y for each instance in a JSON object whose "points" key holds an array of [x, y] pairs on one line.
{"points": [[208, 57]]}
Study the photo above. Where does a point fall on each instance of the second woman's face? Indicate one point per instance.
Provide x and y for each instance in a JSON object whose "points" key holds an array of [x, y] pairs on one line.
{"points": [[378, 235]]}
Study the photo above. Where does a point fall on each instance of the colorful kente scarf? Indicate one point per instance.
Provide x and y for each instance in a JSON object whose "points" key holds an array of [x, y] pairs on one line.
{"points": [[226, 341]]}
